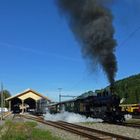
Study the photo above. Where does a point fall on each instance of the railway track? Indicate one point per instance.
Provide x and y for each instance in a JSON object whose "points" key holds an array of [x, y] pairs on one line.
{"points": [[134, 125], [5, 114], [86, 132], [136, 116]]}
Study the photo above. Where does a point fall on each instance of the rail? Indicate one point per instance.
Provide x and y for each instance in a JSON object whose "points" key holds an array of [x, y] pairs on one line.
{"points": [[5, 114], [134, 125], [80, 130]]}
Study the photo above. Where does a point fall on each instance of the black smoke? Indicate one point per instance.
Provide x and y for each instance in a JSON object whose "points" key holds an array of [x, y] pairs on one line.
{"points": [[91, 23]]}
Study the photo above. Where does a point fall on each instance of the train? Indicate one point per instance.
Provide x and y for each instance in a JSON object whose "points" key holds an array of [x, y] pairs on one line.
{"points": [[104, 105]]}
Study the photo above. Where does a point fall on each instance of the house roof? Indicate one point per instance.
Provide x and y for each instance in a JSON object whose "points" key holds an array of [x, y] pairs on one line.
{"points": [[26, 91]]}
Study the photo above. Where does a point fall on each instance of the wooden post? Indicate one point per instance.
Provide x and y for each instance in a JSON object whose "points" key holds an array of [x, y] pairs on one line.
{"points": [[36, 105], [22, 106], [9, 105]]}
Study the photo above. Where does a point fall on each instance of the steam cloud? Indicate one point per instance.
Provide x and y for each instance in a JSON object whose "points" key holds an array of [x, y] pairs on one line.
{"points": [[70, 117], [91, 23]]}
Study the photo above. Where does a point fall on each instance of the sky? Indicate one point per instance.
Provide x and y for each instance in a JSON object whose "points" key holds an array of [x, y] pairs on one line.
{"points": [[39, 51]]}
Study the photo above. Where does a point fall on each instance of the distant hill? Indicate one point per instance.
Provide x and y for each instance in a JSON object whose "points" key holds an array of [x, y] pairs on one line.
{"points": [[129, 88]]}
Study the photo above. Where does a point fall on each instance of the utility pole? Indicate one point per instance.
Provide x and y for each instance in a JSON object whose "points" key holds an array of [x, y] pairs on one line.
{"points": [[1, 101]]}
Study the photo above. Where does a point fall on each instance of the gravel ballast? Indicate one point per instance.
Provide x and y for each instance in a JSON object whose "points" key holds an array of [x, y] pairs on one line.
{"points": [[120, 130], [116, 129], [65, 135]]}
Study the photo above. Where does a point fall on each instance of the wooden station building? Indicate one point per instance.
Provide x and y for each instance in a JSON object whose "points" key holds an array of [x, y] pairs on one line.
{"points": [[27, 101]]}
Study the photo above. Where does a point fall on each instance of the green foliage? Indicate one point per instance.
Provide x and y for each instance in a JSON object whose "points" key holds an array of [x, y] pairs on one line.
{"points": [[129, 88], [25, 131], [31, 124], [8, 122], [6, 94], [38, 134]]}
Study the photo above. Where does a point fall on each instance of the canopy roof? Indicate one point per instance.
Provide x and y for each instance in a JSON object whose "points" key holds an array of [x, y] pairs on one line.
{"points": [[28, 93]]}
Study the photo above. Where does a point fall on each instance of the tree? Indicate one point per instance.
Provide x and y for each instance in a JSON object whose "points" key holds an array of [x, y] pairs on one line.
{"points": [[137, 95], [6, 94], [129, 88]]}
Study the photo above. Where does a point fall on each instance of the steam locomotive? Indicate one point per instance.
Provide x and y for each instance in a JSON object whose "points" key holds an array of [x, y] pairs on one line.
{"points": [[104, 105]]}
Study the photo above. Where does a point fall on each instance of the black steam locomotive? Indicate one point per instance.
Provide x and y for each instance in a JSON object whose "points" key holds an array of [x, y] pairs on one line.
{"points": [[102, 105]]}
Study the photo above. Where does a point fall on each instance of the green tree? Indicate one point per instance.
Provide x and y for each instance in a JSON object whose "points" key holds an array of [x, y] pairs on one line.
{"points": [[137, 95], [129, 88], [6, 94]]}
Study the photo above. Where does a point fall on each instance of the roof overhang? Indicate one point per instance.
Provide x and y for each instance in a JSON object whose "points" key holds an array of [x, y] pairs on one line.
{"points": [[23, 95]]}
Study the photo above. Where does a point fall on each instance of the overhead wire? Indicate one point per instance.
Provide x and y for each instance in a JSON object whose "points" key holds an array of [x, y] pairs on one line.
{"points": [[130, 35]]}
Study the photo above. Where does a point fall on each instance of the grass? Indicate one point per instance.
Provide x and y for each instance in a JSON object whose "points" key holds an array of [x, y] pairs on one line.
{"points": [[0, 127], [25, 131], [38, 134]]}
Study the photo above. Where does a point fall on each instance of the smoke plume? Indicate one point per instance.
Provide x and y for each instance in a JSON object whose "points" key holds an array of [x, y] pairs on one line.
{"points": [[91, 23], [70, 117]]}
